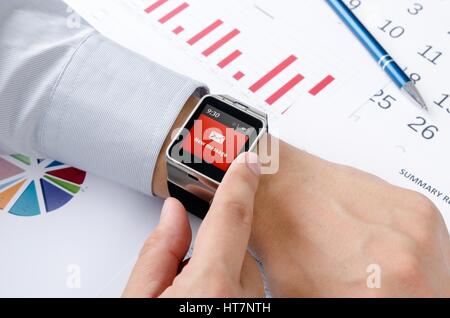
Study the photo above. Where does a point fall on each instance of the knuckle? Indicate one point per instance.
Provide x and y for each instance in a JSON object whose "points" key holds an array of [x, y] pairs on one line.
{"points": [[239, 211], [424, 237], [151, 242], [425, 216], [407, 269], [424, 206], [243, 177]]}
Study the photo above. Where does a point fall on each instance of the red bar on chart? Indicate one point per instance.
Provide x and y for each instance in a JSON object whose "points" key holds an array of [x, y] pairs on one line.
{"points": [[224, 40], [174, 12], [322, 85], [238, 76], [205, 32], [155, 6], [273, 73], [229, 59], [178, 30], [285, 89]]}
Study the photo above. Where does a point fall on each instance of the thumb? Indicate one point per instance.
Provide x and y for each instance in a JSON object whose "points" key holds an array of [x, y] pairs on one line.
{"points": [[162, 253], [224, 234]]}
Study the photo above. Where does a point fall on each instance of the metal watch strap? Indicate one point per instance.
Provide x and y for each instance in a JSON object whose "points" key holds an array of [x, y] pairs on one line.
{"points": [[238, 103], [191, 203]]}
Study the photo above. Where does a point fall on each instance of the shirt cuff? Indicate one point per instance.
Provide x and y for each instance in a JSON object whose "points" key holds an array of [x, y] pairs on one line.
{"points": [[111, 112]]}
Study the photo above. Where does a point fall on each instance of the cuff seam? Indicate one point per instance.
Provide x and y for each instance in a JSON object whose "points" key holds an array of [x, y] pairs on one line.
{"points": [[55, 87]]}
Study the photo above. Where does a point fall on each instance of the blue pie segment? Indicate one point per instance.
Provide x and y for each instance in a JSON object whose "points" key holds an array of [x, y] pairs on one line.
{"points": [[54, 197], [7, 184], [27, 204], [55, 164]]}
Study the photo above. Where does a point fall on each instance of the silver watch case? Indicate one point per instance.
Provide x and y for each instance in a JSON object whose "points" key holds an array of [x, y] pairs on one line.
{"points": [[193, 181]]}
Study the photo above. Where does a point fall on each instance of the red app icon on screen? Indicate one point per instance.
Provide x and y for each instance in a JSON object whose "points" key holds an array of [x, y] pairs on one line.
{"points": [[214, 142]]}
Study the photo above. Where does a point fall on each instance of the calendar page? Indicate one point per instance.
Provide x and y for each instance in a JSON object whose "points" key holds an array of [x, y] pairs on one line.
{"points": [[388, 134]]}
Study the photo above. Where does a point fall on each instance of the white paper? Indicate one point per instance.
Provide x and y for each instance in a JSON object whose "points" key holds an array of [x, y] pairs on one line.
{"points": [[88, 247]]}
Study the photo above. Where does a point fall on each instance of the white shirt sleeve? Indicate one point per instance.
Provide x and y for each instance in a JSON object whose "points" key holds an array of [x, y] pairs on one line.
{"points": [[72, 95]]}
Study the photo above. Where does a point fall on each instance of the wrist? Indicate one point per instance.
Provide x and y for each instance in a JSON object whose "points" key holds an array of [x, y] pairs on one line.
{"points": [[159, 183], [274, 212], [271, 212]]}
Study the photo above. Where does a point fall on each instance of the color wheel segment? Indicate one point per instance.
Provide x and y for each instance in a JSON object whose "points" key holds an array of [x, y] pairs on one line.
{"points": [[30, 187]]}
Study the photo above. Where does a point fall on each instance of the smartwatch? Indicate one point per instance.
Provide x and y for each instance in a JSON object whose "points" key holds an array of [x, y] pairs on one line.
{"points": [[216, 132]]}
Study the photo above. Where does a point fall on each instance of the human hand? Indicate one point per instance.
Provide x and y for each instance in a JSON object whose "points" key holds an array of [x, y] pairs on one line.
{"points": [[318, 226], [220, 265]]}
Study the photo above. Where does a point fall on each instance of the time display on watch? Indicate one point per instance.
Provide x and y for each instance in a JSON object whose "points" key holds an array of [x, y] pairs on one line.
{"points": [[214, 136]]}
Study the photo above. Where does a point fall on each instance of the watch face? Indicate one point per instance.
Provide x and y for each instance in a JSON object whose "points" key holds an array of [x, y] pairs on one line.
{"points": [[214, 136]]}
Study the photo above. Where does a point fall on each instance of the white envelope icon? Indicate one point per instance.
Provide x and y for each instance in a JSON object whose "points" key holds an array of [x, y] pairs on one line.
{"points": [[217, 137]]}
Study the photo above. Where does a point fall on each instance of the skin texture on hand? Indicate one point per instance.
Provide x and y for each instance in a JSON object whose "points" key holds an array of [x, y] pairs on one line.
{"points": [[220, 265], [318, 227]]}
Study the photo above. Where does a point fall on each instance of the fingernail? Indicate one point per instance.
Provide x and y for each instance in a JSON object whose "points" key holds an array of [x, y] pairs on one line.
{"points": [[252, 161], [165, 210]]}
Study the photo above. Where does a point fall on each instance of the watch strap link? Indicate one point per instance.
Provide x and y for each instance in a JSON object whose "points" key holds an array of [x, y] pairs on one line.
{"points": [[255, 112], [191, 203]]}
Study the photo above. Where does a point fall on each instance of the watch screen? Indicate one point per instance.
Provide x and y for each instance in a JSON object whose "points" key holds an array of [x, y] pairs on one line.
{"points": [[214, 136]]}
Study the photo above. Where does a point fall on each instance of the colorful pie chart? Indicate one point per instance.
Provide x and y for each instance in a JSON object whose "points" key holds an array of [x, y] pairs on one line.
{"points": [[30, 187]]}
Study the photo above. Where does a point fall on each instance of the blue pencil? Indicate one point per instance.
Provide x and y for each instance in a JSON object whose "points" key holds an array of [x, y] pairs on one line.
{"points": [[377, 51]]}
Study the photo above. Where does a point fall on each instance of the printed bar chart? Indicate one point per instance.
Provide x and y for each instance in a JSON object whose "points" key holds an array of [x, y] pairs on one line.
{"points": [[178, 30], [214, 38], [229, 59], [174, 12], [213, 48], [238, 76], [273, 73], [285, 89], [155, 6], [321, 86], [205, 32]]}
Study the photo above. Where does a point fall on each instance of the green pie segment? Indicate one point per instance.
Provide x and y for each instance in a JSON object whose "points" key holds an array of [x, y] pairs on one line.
{"points": [[63, 184], [24, 159]]}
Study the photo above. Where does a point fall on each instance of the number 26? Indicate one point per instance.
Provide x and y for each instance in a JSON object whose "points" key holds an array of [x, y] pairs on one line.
{"points": [[428, 132]]}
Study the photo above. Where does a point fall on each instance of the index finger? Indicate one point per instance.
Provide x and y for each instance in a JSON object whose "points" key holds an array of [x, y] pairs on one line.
{"points": [[225, 232]]}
